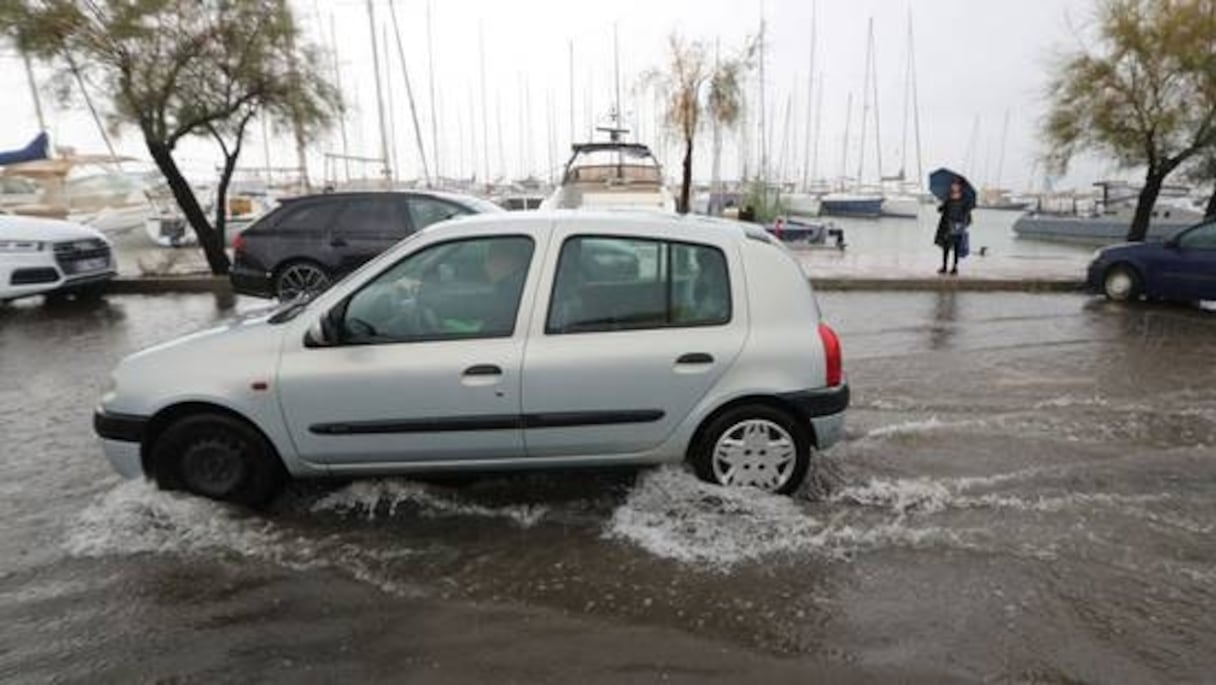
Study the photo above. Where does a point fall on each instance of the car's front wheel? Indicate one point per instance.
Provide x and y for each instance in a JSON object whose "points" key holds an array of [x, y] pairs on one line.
{"points": [[755, 446], [217, 456], [300, 278], [1122, 283]]}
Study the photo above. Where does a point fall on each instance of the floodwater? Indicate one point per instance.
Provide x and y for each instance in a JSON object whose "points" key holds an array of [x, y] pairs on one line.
{"points": [[903, 248], [1027, 493]]}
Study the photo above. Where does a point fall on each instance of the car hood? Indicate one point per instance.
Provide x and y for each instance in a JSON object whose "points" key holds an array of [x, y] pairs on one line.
{"points": [[1131, 249], [239, 335], [28, 228]]}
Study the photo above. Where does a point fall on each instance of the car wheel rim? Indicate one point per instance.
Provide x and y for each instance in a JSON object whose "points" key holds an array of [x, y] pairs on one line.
{"points": [[1119, 285], [300, 279], [213, 467], [755, 453]]}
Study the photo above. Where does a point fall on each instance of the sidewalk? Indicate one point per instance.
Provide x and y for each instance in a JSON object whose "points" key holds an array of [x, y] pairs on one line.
{"points": [[162, 270]]}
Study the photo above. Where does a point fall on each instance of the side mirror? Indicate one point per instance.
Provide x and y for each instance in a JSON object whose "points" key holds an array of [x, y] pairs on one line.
{"points": [[324, 331]]}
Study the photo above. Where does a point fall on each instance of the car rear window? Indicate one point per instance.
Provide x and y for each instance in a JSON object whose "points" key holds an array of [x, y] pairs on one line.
{"points": [[613, 284], [376, 218], [307, 217]]}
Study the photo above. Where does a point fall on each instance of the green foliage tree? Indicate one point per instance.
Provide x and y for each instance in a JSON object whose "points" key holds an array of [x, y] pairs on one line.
{"points": [[694, 89], [181, 68], [1144, 94]]}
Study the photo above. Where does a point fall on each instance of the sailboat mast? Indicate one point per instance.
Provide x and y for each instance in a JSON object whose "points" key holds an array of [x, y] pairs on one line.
{"points": [[409, 94], [485, 116], [386, 171], [29, 77], [874, 88], [810, 94], [616, 76], [430, 64], [763, 107], [844, 154], [818, 129], [1000, 164], [390, 109], [865, 101], [571, 46], [337, 67]]}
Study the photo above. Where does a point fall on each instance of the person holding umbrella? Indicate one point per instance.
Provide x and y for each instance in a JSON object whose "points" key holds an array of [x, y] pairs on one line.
{"points": [[958, 199]]}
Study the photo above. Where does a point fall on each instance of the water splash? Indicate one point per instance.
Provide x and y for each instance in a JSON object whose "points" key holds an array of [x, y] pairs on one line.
{"points": [[372, 498]]}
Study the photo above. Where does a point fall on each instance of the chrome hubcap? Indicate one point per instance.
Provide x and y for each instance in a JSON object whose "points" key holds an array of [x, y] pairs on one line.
{"points": [[301, 279], [213, 467], [755, 453], [1119, 285]]}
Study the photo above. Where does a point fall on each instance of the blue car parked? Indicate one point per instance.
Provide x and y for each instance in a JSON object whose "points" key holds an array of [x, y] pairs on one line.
{"points": [[1180, 268]]}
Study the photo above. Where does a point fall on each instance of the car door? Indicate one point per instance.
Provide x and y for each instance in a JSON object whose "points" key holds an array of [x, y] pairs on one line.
{"points": [[634, 331], [425, 364], [365, 227], [1189, 270]]}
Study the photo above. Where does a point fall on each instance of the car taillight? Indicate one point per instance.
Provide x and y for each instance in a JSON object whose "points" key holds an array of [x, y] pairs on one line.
{"points": [[833, 358], [238, 243]]}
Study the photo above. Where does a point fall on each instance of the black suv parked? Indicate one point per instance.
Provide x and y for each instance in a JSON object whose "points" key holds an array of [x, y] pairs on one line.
{"points": [[308, 242]]}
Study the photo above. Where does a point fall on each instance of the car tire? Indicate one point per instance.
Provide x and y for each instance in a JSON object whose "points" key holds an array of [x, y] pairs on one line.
{"points": [[299, 276], [754, 445], [219, 457], [1122, 283]]}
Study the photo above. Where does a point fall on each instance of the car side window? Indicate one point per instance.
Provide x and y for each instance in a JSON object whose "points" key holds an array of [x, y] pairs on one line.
{"points": [[1201, 238], [614, 284], [425, 211], [310, 217], [455, 290], [372, 218]]}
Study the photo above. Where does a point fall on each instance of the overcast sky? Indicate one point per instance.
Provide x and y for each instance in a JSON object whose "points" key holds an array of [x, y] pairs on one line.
{"points": [[977, 61]]}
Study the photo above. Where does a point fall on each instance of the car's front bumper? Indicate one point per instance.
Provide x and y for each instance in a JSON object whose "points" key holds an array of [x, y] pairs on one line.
{"points": [[824, 409], [121, 439], [1094, 276]]}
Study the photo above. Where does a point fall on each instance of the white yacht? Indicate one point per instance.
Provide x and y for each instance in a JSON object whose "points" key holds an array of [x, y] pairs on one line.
{"points": [[613, 174]]}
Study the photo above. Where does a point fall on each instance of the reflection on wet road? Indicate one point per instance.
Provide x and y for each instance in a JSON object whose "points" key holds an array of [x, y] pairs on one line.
{"points": [[1028, 492]]}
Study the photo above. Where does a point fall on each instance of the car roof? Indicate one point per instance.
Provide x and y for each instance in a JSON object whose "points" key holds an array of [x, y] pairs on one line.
{"points": [[720, 228], [348, 194]]}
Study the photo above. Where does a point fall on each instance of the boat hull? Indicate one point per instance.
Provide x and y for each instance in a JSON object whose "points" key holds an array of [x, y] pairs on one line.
{"points": [[853, 206], [1088, 230]]}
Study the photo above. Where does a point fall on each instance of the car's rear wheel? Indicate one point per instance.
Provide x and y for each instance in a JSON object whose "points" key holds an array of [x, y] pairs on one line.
{"points": [[754, 446], [1122, 283], [300, 278], [217, 456]]}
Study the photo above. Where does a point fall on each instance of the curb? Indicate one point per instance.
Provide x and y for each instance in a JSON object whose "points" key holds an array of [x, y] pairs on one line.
{"points": [[157, 285], [978, 285]]}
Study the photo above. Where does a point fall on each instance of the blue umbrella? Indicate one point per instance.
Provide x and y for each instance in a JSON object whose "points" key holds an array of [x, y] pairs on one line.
{"points": [[939, 185]]}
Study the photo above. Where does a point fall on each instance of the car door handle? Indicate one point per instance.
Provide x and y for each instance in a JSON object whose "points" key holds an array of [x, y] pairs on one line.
{"points": [[337, 242], [483, 370], [695, 358]]}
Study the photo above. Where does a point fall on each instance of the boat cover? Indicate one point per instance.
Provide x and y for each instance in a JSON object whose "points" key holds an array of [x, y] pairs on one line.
{"points": [[37, 149]]}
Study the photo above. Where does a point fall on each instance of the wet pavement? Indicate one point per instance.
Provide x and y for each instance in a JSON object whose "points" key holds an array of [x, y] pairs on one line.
{"points": [[1027, 493]]}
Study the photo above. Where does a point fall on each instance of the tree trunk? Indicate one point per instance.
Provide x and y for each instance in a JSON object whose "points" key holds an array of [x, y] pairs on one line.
{"points": [[212, 244], [686, 185], [1210, 213], [1144, 207], [221, 192]]}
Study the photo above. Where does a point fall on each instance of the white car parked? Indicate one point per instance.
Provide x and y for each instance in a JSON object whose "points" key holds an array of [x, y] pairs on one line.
{"points": [[508, 341], [47, 256]]}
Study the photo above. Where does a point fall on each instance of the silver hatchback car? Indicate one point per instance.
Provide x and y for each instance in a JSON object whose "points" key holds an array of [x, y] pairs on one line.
{"points": [[522, 341]]}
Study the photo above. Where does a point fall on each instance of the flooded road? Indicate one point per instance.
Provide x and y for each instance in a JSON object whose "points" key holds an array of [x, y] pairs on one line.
{"points": [[1027, 493]]}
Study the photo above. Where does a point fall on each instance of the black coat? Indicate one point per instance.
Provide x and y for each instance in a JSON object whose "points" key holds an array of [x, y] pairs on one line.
{"points": [[942, 236]]}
